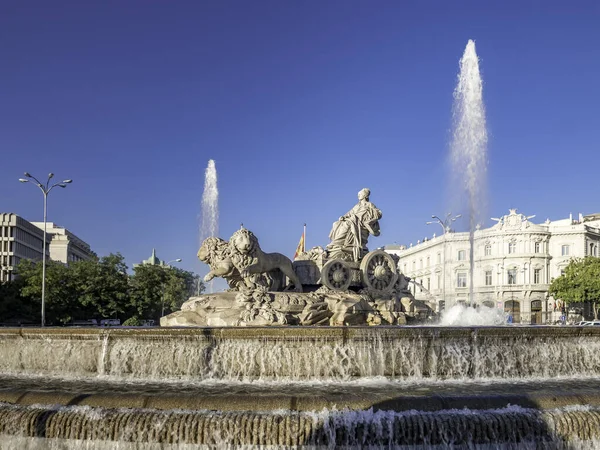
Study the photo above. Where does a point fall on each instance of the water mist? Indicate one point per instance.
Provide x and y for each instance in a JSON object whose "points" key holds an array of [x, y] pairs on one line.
{"points": [[209, 225], [469, 143]]}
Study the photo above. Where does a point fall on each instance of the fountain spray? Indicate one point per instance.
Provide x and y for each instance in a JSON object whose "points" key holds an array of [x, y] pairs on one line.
{"points": [[469, 142], [209, 226]]}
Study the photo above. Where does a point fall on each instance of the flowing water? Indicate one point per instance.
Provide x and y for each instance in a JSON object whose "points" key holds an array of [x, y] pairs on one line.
{"points": [[209, 226], [469, 142], [300, 387], [210, 203], [465, 316]]}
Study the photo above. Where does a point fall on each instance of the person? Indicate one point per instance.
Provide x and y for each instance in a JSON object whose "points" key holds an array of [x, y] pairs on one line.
{"points": [[350, 233]]}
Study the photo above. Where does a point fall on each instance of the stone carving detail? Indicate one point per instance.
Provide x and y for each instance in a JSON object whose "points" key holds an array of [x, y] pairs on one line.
{"points": [[347, 284], [349, 235], [250, 260], [512, 221], [216, 253]]}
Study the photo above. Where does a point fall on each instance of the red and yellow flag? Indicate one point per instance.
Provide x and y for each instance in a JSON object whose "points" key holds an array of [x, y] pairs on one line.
{"points": [[300, 248]]}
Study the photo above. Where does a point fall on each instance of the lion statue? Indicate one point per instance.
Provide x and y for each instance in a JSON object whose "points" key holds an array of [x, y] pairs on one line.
{"points": [[216, 253], [249, 259]]}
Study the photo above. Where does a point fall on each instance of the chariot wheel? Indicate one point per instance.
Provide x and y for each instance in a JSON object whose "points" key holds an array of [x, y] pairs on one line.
{"points": [[336, 275], [379, 272]]}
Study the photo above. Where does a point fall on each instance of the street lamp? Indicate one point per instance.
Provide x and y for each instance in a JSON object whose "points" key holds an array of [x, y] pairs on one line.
{"points": [[445, 224], [45, 188], [162, 313]]}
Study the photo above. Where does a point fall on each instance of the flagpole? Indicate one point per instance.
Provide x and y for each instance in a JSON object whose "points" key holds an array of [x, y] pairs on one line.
{"points": [[304, 249]]}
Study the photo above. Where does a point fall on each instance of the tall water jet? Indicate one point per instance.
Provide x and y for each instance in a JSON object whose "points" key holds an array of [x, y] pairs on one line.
{"points": [[469, 142], [210, 204]]}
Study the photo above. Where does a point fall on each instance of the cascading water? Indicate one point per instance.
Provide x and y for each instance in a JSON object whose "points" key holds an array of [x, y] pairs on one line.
{"points": [[210, 204], [469, 142]]}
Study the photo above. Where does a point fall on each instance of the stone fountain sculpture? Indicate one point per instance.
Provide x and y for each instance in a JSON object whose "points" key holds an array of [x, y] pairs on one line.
{"points": [[343, 284]]}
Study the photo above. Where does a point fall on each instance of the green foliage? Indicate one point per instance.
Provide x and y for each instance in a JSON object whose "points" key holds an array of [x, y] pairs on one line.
{"points": [[155, 289], [15, 309], [102, 285], [579, 283], [61, 296], [132, 322], [96, 288]]}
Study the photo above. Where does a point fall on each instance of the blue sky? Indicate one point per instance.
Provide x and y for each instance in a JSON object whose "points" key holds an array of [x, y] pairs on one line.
{"points": [[301, 104]]}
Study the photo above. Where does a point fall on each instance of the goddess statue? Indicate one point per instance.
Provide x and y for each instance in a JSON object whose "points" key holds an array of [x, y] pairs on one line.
{"points": [[349, 235]]}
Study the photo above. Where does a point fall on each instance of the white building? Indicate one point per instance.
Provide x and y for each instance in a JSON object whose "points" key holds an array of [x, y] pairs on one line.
{"points": [[513, 264], [64, 245], [20, 239]]}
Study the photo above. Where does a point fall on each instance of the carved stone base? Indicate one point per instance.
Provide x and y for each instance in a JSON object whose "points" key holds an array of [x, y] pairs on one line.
{"points": [[261, 308]]}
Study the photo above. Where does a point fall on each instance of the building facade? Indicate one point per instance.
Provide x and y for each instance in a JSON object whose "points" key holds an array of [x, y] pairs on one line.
{"points": [[513, 264], [21, 239]]}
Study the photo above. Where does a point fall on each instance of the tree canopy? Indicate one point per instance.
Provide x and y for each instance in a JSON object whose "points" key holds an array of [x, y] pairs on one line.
{"points": [[95, 289], [580, 282]]}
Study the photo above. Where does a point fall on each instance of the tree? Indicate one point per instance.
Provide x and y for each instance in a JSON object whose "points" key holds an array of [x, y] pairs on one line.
{"points": [[61, 295], [13, 307], [102, 286], [580, 282], [157, 289]]}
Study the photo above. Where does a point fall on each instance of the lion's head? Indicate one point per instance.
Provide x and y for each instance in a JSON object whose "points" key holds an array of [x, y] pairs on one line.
{"points": [[213, 249], [243, 242]]}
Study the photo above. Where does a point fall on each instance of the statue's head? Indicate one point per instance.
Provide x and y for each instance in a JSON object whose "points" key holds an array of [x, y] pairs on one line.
{"points": [[210, 248], [364, 194], [243, 241]]}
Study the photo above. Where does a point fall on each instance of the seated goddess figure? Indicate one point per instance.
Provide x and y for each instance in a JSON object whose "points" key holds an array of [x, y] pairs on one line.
{"points": [[349, 235]]}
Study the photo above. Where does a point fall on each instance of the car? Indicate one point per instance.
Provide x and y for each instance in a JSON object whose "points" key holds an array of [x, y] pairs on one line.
{"points": [[587, 323], [83, 323], [110, 322]]}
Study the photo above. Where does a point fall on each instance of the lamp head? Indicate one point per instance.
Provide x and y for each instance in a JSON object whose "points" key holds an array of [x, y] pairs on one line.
{"points": [[67, 181], [50, 175], [178, 260], [27, 174], [23, 180], [62, 185]]}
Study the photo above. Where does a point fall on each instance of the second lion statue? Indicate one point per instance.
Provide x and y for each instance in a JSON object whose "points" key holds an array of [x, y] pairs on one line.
{"points": [[241, 259]]}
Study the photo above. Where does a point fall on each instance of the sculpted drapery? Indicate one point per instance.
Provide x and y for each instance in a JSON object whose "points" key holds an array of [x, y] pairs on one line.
{"points": [[349, 235]]}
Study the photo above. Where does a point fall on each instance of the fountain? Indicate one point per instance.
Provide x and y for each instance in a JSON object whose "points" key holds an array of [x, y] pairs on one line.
{"points": [[469, 142], [209, 225], [305, 354]]}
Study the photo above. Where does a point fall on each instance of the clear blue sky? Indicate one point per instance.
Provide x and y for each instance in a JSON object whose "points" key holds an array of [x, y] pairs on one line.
{"points": [[301, 104]]}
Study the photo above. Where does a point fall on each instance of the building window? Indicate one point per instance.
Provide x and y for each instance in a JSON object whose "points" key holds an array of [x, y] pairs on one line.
{"points": [[404, 270], [439, 258], [488, 250], [537, 276], [439, 281], [428, 261], [461, 279], [414, 266], [512, 247], [461, 255], [565, 250], [428, 284], [536, 247], [512, 276], [442, 305], [421, 263], [488, 277]]}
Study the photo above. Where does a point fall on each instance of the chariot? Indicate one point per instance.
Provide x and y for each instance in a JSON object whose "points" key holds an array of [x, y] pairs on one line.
{"points": [[376, 272]]}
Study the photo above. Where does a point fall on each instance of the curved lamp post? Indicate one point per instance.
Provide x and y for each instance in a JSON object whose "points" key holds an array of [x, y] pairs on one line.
{"points": [[162, 313], [45, 188], [445, 224]]}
